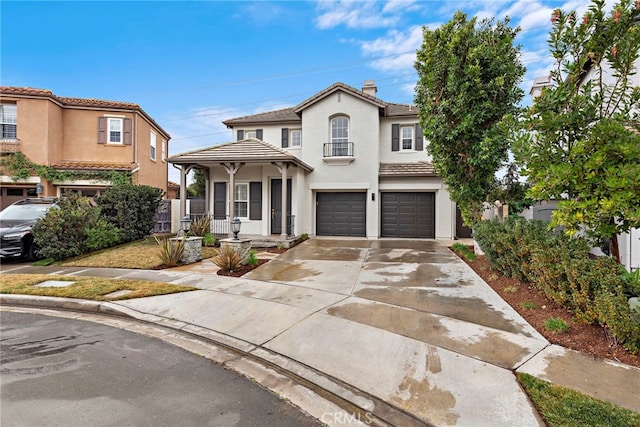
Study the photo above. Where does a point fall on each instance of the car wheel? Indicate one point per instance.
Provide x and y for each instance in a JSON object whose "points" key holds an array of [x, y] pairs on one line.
{"points": [[33, 252]]}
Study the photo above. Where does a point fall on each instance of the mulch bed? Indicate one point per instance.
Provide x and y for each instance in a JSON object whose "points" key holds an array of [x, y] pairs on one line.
{"points": [[588, 339], [242, 270]]}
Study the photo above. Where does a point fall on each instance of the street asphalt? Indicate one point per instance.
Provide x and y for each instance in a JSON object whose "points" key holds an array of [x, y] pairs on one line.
{"points": [[395, 332]]}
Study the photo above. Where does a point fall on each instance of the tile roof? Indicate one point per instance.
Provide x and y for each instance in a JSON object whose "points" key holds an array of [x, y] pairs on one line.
{"points": [[339, 86], [388, 170], [276, 116], [78, 102], [247, 151], [80, 165], [292, 114]]}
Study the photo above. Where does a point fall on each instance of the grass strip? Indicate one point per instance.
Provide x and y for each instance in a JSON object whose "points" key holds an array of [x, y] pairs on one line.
{"points": [[90, 288], [564, 407]]}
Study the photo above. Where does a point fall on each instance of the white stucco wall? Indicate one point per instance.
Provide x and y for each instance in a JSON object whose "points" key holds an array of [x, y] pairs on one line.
{"points": [[359, 175]]}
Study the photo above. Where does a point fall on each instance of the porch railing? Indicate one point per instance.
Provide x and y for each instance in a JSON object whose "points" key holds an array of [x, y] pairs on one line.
{"points": [[220, 225]]}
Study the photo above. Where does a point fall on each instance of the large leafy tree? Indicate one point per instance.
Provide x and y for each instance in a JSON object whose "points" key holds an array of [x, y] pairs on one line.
{"points": [[468, 76], [583, 142], [197, 187]]}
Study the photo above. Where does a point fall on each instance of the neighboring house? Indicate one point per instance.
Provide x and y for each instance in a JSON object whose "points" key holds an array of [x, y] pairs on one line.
{"points": [[84, 139], [341, 163]]}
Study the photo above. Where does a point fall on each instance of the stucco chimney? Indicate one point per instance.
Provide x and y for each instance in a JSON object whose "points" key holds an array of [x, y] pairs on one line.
{"points": [[370, 87], [538, 84]]}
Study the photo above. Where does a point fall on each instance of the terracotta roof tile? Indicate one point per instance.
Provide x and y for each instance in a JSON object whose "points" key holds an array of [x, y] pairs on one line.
{"points": [[406, 169], [80, 165]]}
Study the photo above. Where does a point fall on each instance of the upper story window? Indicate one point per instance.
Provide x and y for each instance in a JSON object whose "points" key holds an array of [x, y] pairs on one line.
{"points": [[340, 129], [114, 131], [406, 135], [152, 145], [296, 137], [247, 134], [9, 121]]}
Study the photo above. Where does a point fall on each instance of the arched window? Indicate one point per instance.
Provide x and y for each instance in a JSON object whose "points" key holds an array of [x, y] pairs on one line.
{"points": [[340, 136]]}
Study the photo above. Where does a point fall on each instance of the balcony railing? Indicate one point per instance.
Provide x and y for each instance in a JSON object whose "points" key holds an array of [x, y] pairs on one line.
{"points": [[338, 149]]}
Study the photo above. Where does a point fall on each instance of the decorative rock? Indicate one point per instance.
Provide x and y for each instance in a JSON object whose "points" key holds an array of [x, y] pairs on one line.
{"points": [[192, 249], [242, 246]]}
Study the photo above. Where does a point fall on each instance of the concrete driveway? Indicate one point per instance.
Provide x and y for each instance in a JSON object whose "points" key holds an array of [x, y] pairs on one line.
{"points": [[416, 327]]}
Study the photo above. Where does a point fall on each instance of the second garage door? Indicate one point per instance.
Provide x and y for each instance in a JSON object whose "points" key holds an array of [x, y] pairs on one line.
{"points": [[408, 215], [341, 214]]}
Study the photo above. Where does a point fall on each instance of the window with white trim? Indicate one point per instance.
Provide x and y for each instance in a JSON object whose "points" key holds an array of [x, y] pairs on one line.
{"points": [[152, 145], [296, 137], [340, 136], [406, 137], [115, 130], [9, 121], [241, 200], [250, 134]]}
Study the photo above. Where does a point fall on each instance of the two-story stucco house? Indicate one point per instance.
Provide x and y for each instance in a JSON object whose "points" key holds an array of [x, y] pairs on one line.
{"points": [[341, 163], [82, 138]]}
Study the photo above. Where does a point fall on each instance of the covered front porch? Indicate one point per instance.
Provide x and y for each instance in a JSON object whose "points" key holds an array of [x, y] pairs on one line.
{"points": [[261, 185]]}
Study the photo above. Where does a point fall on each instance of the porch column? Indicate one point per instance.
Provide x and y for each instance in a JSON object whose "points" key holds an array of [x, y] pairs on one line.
{"points": [[232, 169], [282, 168], [184, 171]]}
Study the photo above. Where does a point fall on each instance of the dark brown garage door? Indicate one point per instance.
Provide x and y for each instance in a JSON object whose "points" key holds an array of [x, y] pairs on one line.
{"points": [[341, 214], [408, 215]]}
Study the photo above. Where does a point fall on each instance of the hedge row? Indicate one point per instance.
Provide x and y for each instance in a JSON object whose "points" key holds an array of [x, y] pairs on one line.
{"points": [[560, 266], [77, 226]]}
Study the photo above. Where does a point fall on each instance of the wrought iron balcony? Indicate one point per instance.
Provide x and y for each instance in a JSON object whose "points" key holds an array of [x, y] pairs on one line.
{"points": [[338, 149]]}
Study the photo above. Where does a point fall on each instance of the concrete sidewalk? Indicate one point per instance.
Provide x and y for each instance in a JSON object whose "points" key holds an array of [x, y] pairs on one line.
{"points": [[399, 329]]}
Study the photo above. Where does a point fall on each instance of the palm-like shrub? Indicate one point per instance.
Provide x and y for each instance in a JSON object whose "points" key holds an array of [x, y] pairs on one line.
{"points": [[200, 226], [170, 250], [229, 259]]}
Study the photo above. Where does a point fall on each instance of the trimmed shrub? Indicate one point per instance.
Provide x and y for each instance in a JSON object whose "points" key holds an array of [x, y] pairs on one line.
{"points": [[614, 314], [508, 244], [130, 208]]}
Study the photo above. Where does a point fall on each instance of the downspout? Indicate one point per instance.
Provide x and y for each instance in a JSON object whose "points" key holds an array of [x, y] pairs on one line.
{"points": [[135, 144]]}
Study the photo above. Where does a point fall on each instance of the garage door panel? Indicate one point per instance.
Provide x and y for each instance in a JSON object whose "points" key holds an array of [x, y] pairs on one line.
{"points": [[408, 215], [341, 214]]}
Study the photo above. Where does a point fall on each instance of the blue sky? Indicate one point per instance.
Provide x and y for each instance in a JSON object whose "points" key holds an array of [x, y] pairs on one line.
{"points": [[193, 64]]}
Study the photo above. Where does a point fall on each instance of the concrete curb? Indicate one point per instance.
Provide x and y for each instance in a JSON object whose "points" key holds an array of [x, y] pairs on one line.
{"points": [[362, 408]]}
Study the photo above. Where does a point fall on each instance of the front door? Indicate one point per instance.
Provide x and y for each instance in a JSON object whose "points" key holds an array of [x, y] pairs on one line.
{"points": [[276, 206]]}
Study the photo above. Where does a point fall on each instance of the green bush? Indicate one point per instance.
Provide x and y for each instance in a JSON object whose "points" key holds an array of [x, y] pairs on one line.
{"points": [[208, 240], [508, 244], [130, 208], [61, 233], [561, 267], [252, 259], [101, 235], [615, 315]]}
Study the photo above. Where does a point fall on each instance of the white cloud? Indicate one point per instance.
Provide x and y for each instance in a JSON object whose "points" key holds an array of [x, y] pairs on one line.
{"points": [[358, 14], [260, 13], [397, 48]]}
